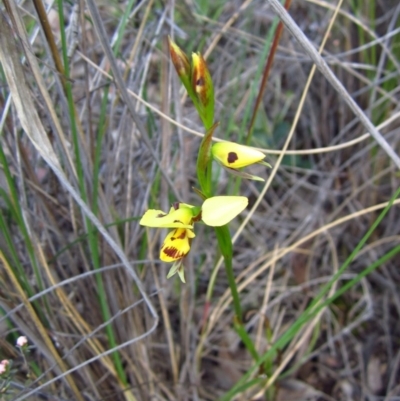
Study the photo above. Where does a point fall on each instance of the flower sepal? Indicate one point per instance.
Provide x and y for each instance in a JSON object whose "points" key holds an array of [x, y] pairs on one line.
{"points": [[177, 267], [180, 216], [243, 174]]}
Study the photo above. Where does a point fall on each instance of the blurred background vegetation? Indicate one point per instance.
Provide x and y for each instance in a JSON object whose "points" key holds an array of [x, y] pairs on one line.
{"points": [[95, 128]]}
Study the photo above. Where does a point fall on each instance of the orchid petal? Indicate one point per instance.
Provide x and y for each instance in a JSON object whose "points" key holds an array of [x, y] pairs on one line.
{"points": [[233, 155], [180, 218], [220, 210], [176, 245]]}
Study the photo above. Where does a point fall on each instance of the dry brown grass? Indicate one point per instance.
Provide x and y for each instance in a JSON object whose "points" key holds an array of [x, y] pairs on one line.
{"points": [[322, 195]]}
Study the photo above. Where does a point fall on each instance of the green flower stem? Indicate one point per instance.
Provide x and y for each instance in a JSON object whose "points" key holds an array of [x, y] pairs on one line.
{"points": [[204, 166], [225, 245], [197, 80], [204, 162]]}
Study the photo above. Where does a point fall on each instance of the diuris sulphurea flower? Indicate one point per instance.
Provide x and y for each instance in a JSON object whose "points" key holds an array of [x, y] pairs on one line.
{"points": [[235, 156], [215, 212]]}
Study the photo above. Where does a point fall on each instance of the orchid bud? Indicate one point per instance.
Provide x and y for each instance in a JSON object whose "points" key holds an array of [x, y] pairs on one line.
{"points": [[203, 88], [181, 63]]}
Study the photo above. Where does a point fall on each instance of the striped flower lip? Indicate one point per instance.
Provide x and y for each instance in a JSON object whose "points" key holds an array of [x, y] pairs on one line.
{"points": [[176, 245]]}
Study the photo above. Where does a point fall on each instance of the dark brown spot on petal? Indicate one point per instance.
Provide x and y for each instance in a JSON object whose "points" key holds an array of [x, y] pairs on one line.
{"points": [[173, 253], [172, 236], [181, 236], [232, 157], [161, 215], [177, 221], [200, 81]]}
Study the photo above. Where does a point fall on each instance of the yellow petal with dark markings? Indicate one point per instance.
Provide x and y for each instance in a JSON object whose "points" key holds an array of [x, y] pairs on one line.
{"points": [[233, 155], [176, 245], [180, 218]]}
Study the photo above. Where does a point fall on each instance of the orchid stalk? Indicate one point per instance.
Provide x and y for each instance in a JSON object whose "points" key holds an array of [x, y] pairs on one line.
{"points": [[215, 211]]}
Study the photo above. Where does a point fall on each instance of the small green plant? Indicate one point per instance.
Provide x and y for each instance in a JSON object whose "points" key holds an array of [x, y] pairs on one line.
{"points": [[8, 372], [5, 375]]}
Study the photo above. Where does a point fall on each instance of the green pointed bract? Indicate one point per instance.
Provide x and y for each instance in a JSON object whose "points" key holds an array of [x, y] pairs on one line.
{"points": [[181, 273], [266, 164], [177, 267], [243, 174], [220, 210], [199, 193]]}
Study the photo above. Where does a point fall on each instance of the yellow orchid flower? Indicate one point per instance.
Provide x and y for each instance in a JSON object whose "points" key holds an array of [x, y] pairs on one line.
{"points": [[177, 243], [175, 247], [215, 212], [234, 156]]}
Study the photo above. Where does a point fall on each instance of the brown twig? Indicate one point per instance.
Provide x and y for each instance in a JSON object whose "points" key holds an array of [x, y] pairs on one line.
{"points": [[267, 70]]}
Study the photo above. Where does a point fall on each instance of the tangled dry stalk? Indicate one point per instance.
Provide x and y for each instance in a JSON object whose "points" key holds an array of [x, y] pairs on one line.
{"points": [[94, 129]]}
